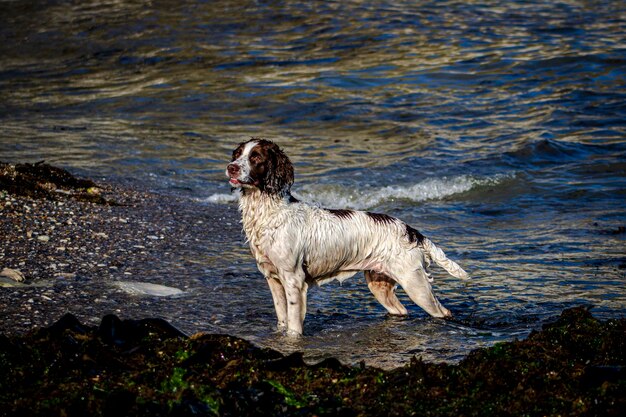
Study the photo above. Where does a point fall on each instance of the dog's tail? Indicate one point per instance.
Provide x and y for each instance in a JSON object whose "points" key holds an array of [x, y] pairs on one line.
{"points": [[442, 260]]}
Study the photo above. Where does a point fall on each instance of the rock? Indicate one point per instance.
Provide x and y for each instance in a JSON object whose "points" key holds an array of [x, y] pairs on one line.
{"points": [[148, 367], [146, 288], [130, 333], [41, 180], [14, 274]]}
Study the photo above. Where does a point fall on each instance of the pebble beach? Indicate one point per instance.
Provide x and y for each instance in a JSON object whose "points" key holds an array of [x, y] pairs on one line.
{"points": [[87, 256]]}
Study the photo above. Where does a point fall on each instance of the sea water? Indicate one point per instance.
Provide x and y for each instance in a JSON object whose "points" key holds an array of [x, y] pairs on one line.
{"points": [[498, 129]]}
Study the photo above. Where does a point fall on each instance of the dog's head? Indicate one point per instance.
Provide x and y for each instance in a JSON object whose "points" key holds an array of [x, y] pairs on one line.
{"points": [[261, 164]]}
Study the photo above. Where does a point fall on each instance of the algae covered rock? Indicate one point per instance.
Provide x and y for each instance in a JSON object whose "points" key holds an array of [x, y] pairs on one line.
{"points": [[574, 366], [41, 180]]}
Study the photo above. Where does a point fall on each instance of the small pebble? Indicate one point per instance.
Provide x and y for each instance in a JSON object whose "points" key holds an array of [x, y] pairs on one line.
{"points": [[14, 274]]}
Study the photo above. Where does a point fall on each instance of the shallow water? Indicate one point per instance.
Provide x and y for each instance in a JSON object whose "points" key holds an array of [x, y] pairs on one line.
{"points": [[497, 129]]}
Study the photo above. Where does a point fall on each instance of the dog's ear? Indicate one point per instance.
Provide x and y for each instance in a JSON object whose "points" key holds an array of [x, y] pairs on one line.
{"points": [[279, 177]]}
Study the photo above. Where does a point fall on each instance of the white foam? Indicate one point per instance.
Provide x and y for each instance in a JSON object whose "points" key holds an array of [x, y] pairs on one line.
{"points": [[146, 288], [221, 198], [335, 196], [341, 196]]}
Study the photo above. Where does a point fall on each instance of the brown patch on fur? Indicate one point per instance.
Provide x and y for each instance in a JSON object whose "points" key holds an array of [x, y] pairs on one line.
{"points": [[237, 152], [342, 214], [413, 235], [381, 218], [279, 174], [379, 277]]}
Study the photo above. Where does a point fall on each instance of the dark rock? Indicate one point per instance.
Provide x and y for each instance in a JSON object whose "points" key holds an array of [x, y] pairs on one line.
{"points": [[130, 333], [66, 323], [41, 171], [286, 362], [597, 375], [41, 180]]}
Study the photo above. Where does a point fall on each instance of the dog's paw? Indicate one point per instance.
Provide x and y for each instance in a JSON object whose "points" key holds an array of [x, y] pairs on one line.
{"points": [[293, 333]]}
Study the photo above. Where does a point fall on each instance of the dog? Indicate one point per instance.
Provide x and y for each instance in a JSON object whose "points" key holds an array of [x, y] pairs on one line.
{"points": [[296, 244]]}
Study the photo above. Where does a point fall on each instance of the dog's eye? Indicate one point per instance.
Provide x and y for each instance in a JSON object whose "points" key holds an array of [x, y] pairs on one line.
{"points": [[255, 157]]}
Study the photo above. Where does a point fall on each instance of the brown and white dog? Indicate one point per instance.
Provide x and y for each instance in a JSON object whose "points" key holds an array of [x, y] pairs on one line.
{"points": [[296, 244]]}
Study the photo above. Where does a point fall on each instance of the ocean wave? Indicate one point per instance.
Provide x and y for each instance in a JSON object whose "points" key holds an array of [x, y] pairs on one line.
{"points": [[221, 198], [363, 198], [342, 196]]}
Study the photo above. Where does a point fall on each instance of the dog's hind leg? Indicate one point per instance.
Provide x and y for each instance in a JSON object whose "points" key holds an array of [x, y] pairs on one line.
{"points": [[418, 288], [383, 288]]}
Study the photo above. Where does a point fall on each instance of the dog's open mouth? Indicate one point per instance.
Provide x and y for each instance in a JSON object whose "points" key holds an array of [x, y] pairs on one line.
{"points": [[234, 182]]}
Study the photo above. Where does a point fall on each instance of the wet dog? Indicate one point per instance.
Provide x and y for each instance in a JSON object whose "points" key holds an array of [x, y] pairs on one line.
{"points": [[296, 244]]}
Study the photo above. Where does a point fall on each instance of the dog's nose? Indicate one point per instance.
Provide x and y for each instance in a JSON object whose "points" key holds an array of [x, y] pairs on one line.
{"points": [[233, 169]]}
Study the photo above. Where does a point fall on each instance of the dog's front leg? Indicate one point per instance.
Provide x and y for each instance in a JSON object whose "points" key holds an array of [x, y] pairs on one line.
{"points": [[280, 300], [295, 290]]}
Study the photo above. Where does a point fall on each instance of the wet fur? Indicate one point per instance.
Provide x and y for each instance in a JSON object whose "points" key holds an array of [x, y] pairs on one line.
{"points": [[296, 244]]}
